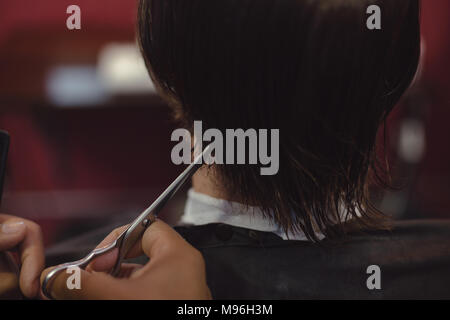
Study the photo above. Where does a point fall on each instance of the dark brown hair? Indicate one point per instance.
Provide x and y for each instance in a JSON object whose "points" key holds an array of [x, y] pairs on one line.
{"points": [[310, 68]]}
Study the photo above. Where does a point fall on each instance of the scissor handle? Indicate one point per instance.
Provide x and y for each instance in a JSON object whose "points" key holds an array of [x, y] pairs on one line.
{"points": [[82, 263]]}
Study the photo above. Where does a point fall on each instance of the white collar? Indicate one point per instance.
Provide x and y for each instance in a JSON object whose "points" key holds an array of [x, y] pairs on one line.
{"points": [[202, 209]]}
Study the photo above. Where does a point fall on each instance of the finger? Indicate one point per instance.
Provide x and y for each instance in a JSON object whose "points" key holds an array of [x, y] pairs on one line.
{"points": [[104, 262], [27, 237], [127, 270], [33, 260], [91, 285], [112, 236], [158, 236], [160, 240], [12, 232], [107, 261], [160, 233], [164, 246], [176, 270]]}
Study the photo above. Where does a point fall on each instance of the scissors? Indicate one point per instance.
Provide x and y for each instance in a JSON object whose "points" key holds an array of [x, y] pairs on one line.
{"points": [[134, 232]]}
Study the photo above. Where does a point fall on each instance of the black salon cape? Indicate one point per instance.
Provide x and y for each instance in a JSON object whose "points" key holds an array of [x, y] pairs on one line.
{"points": [[413, 261]]}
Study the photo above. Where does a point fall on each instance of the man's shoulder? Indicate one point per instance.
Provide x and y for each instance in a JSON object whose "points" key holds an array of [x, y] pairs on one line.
{"points": [[249, 264]]}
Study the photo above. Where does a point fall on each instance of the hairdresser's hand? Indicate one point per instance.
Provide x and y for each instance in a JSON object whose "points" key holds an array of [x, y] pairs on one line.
{"points": [[176, 270], [23, 237]]}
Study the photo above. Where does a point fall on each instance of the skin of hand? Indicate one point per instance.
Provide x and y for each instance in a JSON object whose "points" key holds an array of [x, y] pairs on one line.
{"points": [[175, 271], [23, 237]]}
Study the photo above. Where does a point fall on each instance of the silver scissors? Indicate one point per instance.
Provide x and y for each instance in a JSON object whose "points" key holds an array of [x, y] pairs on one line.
{"points": [[134, 232]]}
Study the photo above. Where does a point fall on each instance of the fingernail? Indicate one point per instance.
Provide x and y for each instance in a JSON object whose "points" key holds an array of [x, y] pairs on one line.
{"points": [[12, 227]]}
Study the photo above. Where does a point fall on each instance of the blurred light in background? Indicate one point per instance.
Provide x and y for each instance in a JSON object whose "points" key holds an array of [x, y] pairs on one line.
{"points": [[75, 86], [122, 70], [412, 141]]}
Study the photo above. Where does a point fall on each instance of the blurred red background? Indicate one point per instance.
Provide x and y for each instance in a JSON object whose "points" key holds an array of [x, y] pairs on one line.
{"points": [[70, 168]]}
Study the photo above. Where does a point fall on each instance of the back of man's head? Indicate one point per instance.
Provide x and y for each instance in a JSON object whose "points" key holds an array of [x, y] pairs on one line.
{"points": [[312, 69]]}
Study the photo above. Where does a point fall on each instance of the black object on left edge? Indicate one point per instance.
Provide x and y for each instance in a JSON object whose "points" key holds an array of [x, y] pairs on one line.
{"points": [[7, 263], [4, 146]]}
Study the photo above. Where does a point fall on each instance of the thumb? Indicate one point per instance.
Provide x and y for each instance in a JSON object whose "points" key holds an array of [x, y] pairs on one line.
{"points": [[176, 269], [161, 240]]}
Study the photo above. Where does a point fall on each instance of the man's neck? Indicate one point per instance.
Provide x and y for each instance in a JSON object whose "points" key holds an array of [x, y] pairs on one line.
{"points": [[205, 181]]}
